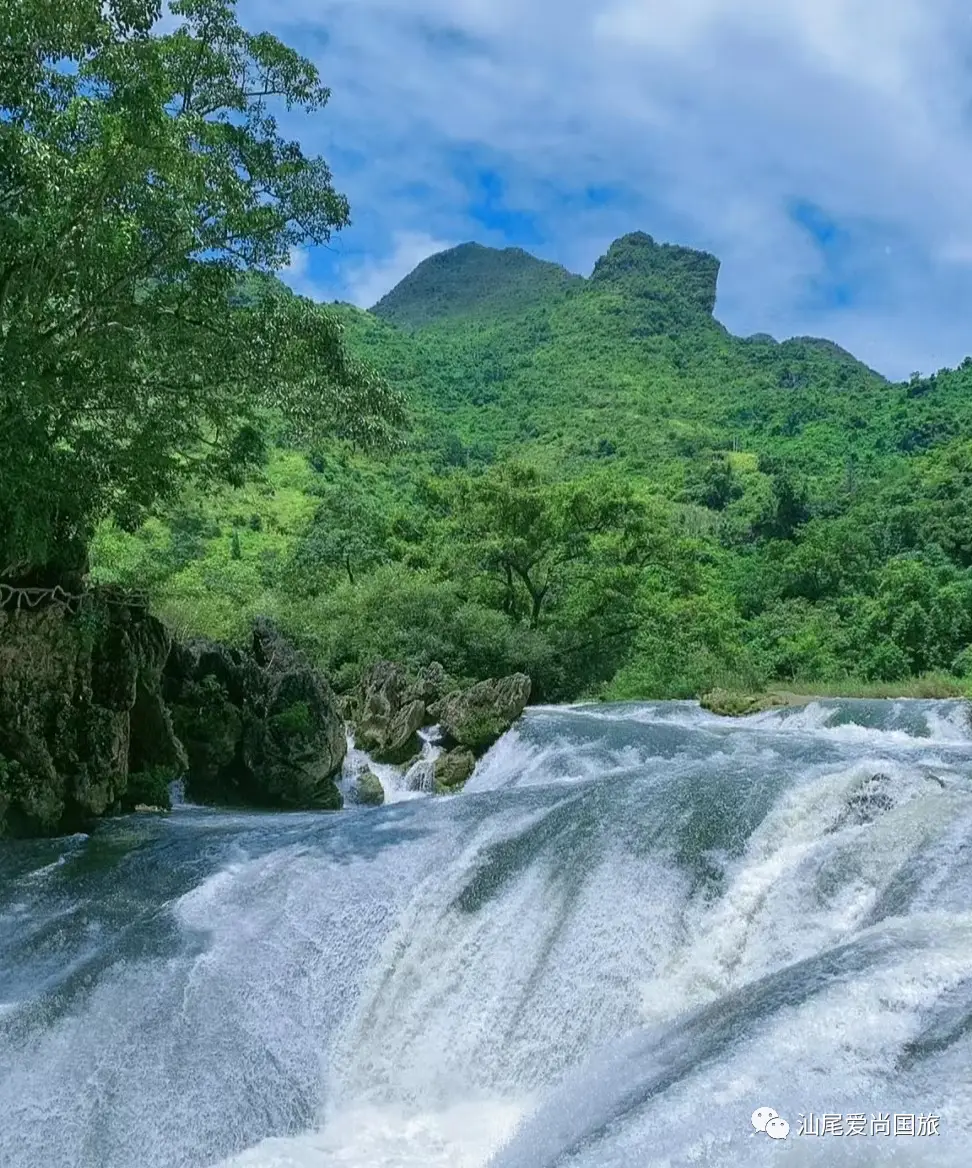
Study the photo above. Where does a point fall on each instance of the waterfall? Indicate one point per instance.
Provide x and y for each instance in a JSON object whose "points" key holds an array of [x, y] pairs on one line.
{"points": [[636, 925]]}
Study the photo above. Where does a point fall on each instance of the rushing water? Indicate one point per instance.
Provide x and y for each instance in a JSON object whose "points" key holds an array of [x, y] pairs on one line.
{"points": [[636, 925]]}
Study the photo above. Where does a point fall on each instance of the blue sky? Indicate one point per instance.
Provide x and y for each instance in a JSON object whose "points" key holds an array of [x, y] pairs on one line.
{"points": [[821, 148]]}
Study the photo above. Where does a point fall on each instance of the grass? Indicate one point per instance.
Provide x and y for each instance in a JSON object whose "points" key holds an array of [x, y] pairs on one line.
{"points": [[929, 685]]}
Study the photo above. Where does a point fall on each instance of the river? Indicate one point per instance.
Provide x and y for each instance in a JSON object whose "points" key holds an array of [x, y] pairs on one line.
{"points": [[635, 926]]}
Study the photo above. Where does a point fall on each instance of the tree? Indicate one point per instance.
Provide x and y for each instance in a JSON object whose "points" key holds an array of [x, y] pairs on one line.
{"points": [[719, 486], [537, 538], [142, 176], [918, 619], [349, 536]]}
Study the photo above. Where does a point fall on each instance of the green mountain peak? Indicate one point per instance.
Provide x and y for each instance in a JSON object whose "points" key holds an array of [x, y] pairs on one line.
{"points": [[660, 271], [472, 280], [668, 288]]}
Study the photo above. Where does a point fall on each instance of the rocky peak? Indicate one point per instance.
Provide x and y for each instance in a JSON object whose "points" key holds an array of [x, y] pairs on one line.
{"points": [[660, 271]]}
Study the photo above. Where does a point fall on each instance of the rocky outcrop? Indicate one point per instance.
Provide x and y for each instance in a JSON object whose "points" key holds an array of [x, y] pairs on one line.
{"points": [[260, 726], [368, 790], [391, 708], [677, 279], [738, 704], [82, 720], [731, 703], [453, 768], [430, 684], [475, 718]]}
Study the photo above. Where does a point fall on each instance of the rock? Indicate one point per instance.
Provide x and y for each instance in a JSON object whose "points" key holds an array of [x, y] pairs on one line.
{"points": [[453, 768], [380, 699], [429, 686], [153, 744], [738, 704], [368, 790], [389, 718], [347, 705], [401, 734], [80, 712], [870, 800], [210, 726], [260, 727], [148, 788], [477, 717]]}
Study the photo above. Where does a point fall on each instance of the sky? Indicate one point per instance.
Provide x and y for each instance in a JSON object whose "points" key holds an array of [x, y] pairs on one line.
{"points": [[822, 149]]}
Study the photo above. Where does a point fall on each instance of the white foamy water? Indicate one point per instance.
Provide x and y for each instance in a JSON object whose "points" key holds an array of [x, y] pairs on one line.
{"points": [[462, 1136], [399, 783], [634, 926]]}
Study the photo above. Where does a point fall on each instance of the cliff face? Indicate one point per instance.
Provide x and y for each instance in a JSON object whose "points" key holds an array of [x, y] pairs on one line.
{"points": [[95, 706], [81, 711], [261, 726]]}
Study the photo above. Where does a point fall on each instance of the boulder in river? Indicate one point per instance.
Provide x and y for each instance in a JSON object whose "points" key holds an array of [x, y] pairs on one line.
{"points": [[476, 717], [453, 768], [389, 716], [261, 726], [368, 790], [738, 703], [430, 684]]}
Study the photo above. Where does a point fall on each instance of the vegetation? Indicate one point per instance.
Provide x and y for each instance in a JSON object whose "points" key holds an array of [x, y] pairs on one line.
{"points": [[142, 174], [600, 486], [606, 491]]}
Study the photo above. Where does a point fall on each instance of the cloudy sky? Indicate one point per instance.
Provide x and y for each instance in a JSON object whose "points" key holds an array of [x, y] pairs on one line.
{"points": [[821, 148]]}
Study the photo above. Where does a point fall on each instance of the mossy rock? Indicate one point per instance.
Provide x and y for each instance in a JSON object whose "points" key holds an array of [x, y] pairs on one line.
{"points": [[475, 718], [149, 788], [738, 704], [453, 768], [368, 790], [294, 719]]}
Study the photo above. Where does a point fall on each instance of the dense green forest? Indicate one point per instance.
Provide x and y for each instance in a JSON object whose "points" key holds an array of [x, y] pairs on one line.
{"points": [[503, 466], [602, 487]]}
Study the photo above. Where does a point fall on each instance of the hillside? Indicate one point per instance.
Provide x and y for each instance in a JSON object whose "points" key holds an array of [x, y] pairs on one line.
{"points": [[604, 487], [629, 366]]}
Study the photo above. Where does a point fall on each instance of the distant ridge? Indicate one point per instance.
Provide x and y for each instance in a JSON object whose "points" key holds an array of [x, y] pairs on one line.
{"points": [[668, 289]]}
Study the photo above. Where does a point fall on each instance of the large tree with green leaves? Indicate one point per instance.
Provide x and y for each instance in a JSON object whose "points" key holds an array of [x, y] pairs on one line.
{"points": [[537, 539], [142, 176]]}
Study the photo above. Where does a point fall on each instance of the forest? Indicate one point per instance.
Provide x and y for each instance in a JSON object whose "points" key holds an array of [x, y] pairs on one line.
{"points": [[500, 467]]}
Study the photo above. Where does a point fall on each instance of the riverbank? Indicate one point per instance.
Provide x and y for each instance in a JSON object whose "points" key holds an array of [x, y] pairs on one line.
{"points": [[739, 703]]}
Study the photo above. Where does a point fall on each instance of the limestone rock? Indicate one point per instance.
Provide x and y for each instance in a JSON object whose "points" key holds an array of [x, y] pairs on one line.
{"points": [[261, 727], [389, 716], [80, 708], [738, 704], [453, 768], [429, 686], [400, 737], [477, 717], [368, 790]]}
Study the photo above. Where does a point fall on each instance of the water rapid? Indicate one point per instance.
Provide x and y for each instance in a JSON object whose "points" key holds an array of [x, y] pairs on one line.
{"points": [[635, 925]]}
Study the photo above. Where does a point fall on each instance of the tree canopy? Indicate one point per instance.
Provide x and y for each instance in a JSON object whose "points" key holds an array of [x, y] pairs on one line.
{"points": [[142, 175]]}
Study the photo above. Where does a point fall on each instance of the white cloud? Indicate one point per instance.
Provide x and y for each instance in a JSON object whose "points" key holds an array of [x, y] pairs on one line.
{"points": [[707, 118]]}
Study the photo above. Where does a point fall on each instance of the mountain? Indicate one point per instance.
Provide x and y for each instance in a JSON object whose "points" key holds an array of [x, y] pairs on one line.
{"points": [[502, 352], [644, 269], [601, 487], [470, 280]]}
